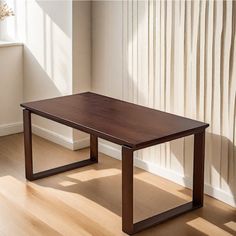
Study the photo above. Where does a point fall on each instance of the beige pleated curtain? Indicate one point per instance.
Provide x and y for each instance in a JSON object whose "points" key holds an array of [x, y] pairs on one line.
{"points": [[180, 57]]}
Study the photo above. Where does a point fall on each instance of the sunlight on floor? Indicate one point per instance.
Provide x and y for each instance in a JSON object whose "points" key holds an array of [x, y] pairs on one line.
{"points": [[207, 228], [231, 225], [171, 188], [67, 183], [94, 174], [34, 202]]}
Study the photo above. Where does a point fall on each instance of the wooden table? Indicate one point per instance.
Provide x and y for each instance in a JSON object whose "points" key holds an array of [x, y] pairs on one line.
{"points": [[131, 126]]}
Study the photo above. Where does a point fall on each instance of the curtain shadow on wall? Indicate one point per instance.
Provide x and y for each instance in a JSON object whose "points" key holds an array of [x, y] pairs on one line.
{"points": [[54, 11], [47, 53], [47, 39], [179, 57]]}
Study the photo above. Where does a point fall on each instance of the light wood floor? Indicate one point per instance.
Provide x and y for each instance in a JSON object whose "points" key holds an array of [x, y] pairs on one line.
{"points": [[87, 201]]}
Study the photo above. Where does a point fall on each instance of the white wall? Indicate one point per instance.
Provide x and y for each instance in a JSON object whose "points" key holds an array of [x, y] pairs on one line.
{"points": [[48, 55], [81, 46], [107, 47], [56, 37], [81, 51], [107, 53], [175, 58], [11, 88]]}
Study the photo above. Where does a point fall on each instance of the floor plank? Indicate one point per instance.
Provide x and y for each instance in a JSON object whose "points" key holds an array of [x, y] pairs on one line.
{"points": [[87, 201]]}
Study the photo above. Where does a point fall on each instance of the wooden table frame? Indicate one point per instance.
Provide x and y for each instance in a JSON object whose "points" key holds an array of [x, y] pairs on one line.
{"points": [[29, 156], [128, 226], [127, 189]]}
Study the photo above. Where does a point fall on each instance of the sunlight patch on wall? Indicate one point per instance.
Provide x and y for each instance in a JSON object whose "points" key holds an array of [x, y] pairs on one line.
{"points": [[49, 45]]}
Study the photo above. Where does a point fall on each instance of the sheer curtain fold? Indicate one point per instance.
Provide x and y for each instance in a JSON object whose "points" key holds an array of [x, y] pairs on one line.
{"points": [[181, 58]]}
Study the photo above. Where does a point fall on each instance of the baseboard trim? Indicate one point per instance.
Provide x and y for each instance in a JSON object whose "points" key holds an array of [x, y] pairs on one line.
{"points": [[81, 143], [60, 139], [170, 175], [12, 128]]}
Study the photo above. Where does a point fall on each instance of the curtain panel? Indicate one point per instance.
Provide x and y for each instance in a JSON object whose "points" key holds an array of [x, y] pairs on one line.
{"points": [[180, 57]]}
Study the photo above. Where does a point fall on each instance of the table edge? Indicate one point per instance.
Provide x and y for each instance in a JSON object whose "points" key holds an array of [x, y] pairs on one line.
{"points": [[80, 127], [115, 139], [116, 99]]}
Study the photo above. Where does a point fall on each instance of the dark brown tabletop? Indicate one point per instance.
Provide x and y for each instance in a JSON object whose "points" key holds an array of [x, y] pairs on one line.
{"points": [[114, 120]]}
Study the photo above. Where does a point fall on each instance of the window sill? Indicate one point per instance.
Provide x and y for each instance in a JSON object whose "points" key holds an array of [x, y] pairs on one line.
{"points": [[9, 44]]}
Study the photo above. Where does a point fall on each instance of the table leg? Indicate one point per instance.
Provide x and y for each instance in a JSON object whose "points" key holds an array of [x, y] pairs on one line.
{"points": [[28, 144], [94, 148], [127, 190], [198, 169], [30, 175]]}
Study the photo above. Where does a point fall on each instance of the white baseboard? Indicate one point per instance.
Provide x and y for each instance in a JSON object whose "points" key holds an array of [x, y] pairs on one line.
{"points": [[60, 139], [81, 143], [12, 128], [170, 175]]}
